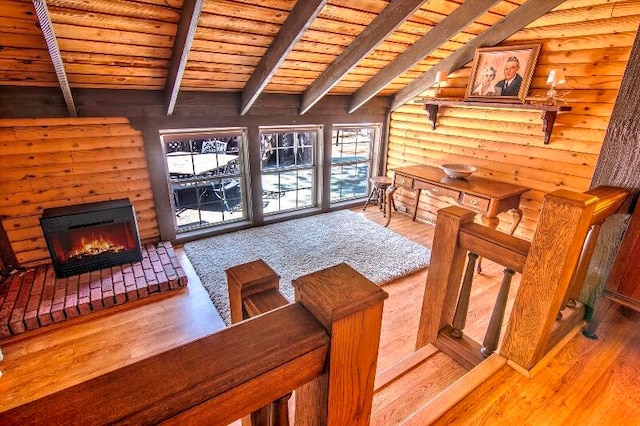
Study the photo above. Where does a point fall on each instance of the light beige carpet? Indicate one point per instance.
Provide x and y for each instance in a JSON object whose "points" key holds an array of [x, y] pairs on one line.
{"points": [[301, 246]]}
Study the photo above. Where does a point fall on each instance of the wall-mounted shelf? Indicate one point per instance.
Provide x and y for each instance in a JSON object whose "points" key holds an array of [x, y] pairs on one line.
{"points": [[549, 112]]}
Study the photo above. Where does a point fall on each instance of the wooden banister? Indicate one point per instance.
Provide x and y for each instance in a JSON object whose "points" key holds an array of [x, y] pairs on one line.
{"points": [[253, 290], [548, 265], [207, 381], [494, 245], [564, 221], [350, 308], [327, 342], [610, 199]]}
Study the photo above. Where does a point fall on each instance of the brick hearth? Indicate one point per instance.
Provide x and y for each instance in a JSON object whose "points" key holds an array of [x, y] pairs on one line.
{"points": [[36, 298]]}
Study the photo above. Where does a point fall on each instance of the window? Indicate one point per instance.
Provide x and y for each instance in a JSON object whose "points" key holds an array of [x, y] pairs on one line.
{"points": [[351, 157], [205, 177], [288, 168]]}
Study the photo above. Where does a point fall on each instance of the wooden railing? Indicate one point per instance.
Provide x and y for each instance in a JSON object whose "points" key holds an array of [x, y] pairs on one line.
{"points": [[551, 275], [331, 333]]}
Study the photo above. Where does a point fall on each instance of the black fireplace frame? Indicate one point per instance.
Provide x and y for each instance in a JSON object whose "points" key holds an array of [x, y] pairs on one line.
{"points": [[88, 216]]}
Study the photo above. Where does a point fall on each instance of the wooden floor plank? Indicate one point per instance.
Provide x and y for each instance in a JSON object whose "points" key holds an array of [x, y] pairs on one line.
{"points": [[587, 380]]}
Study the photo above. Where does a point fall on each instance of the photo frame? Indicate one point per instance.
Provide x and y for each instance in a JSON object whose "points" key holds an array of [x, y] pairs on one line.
{"points": [[502, 74]]}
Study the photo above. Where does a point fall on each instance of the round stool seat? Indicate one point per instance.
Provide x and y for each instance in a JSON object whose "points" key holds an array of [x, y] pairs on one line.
{"points": [[380, 181], [379, 185]]}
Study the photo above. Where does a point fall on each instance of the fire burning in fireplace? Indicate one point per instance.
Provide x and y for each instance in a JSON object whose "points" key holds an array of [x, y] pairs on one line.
{"points": [[94, 247]]}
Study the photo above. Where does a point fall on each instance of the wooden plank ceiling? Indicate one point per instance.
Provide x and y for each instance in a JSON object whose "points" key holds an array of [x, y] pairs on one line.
{"points": [[309, 48]]}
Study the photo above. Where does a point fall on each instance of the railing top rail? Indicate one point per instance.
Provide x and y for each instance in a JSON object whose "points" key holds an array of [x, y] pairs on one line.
{"points": [[209, 377], [610, 199]]}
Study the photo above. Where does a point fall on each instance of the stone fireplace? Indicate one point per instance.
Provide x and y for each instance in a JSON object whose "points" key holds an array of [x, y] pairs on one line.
{"points": [[86, 237]]}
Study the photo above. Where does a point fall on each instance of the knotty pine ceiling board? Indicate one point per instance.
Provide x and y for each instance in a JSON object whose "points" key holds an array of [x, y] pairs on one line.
{"points": [[232, 35], [334, 21], [115, 44], [24, 57]]}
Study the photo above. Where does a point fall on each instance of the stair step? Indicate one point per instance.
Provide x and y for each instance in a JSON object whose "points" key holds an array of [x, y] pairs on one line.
{"points": [[404, 366], [455, 392]]}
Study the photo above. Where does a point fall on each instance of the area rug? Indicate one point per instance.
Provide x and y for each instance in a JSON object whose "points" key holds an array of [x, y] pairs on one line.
{"points": [[301, 246]]}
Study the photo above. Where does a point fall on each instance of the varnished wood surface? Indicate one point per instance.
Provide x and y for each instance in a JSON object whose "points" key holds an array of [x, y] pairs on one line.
{"points": [[587, 382], [553, 256], [57, 357], [183, 384], [608, 368], [473, 185]]}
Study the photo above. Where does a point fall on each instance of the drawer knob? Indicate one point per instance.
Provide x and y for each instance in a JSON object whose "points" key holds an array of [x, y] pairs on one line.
{"points": [[434, 190], [475, 202], [403, 181]]}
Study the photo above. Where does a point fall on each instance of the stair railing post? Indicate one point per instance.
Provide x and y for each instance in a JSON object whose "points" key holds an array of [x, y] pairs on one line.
{"points": [[562, 227], [243, 281], [445, 274], [350, 308]]}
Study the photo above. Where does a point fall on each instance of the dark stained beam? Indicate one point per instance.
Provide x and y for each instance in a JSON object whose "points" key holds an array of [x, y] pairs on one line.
{"points": [[396, 12], [510, 24], [184, 38], [42, 11], [301, 17], [443, 31]]}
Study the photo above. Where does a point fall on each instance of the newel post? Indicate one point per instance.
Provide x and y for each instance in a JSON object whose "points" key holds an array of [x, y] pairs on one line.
{"points": [[445, 273], [244, 281], [564, 221], [350, 308]]}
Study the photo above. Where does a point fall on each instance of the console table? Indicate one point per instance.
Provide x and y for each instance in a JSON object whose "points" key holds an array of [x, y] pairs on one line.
{"points": [[484, 196]]}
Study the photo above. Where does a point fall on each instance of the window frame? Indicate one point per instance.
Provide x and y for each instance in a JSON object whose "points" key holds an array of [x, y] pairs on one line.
{"points": [[373, 161], [187, 135], [314, 167]]}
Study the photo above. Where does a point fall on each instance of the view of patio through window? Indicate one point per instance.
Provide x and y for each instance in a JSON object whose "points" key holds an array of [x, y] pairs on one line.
{"points": [[205, 178], [288, 168], [351, 156]]}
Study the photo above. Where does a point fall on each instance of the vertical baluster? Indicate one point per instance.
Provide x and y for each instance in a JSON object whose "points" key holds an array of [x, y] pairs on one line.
{"points": [[460, 319], [490, 342], [280, 411]]}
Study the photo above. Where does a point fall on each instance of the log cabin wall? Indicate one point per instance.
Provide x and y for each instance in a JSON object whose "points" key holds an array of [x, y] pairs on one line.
{"points": [[592, 45], [58, 162]]}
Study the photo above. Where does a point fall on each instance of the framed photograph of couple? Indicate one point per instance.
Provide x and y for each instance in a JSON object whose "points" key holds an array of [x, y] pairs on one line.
{"points": [[502, 74]]}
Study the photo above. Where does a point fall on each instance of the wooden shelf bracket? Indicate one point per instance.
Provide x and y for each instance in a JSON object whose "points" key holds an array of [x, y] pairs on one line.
{"points": [[549, 112]]}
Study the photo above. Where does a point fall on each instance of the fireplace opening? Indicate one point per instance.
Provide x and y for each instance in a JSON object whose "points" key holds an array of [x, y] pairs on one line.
{"points": [[86, 237]]}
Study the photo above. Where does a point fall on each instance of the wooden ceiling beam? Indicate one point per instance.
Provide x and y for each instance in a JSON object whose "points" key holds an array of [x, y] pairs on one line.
{"points": [[184, 38], [396, 12], [463, 16], [507, 26], [44, 18], [299, 20]]}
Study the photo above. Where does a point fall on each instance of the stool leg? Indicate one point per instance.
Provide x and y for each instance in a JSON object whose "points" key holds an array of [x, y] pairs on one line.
{"points": [[369, 199]]}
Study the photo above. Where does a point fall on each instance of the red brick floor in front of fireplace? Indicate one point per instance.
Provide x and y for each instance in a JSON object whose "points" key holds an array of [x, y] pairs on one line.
{"points": [[36, 298]]}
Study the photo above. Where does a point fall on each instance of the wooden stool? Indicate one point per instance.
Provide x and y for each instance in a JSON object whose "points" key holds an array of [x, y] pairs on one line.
{"points": [[379, 185]]}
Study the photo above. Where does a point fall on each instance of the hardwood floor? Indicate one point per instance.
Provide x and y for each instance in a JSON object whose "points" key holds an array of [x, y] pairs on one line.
{"points": [[588, 382], [56, 357]]}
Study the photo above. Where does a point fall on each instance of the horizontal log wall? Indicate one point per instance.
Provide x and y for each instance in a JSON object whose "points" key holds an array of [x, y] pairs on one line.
{"points": [[58, 162], [591, 41]]}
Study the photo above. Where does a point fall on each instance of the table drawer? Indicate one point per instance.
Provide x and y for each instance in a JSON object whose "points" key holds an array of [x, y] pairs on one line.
{"points": [[475, 202], [438, 190], [404, 181]]}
